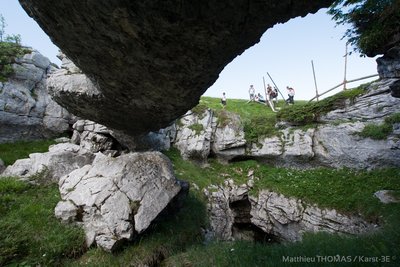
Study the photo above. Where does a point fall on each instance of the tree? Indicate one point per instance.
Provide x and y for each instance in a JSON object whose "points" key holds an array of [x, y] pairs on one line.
{"points": [[10, 49], [375, 24]]}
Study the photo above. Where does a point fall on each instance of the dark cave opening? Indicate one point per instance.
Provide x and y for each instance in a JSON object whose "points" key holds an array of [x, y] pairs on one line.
{"points": [[243, 228]]}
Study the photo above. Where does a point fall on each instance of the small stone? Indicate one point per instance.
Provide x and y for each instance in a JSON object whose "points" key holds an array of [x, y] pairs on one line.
{"points": [[386, 196]]}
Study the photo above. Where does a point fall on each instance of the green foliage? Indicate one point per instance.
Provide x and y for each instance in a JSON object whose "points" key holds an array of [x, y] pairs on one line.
{"points": [[10, 49], [303, 114], [10, 152], [380, 132], [376, 132], [30, 234], [258, 119], [376, 23], [355, 250], [197, 128]]}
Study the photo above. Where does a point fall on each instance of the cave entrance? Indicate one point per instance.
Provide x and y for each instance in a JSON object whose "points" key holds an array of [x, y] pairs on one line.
{"points": [[243, 228]]}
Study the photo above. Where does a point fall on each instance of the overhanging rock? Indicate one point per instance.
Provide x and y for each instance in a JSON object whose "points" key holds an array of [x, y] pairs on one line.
{"points": [[152, 60]]}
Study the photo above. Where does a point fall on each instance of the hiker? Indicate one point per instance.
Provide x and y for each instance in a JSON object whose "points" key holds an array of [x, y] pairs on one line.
{"points": [[260, 98], [223, 100], [291, 95], [269, 97], [274, 95], [252, 93]]}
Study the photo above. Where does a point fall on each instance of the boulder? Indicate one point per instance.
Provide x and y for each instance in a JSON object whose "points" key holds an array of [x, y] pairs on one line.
{"points": [[26, 109], [114, 199], [152, 60], [59, 161], [386, 196]]}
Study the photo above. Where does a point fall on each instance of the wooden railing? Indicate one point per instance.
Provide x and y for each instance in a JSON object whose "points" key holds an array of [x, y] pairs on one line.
{"points": [[341, 84]]}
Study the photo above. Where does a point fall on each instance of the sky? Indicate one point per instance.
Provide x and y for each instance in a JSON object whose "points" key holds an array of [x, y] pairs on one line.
{"points": [[284, 51]]}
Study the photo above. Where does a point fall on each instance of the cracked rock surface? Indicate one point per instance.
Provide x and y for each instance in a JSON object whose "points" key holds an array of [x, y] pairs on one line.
{"points": [[116, 198]]}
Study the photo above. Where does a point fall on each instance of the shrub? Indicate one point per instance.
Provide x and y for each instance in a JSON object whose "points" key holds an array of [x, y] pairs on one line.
{"points": [[312, 111], [380, 132]]}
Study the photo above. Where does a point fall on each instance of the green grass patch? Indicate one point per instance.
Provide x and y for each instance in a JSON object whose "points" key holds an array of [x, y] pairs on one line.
{"points": [[30, 234], [306, 113], [382, 131], [197, 128], [258, 119], [10, 152], [323, 249]]}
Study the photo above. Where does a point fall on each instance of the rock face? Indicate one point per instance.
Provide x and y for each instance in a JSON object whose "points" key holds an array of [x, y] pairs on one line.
{"points": [[334, 143], [26, 109], [389, 64], [193, 135], [98, 138], [152, 60], [59, 161], [117, 198], [269, 216]]}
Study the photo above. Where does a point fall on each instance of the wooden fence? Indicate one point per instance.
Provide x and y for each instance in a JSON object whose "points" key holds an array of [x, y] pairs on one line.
{"points": [[341, 84]]}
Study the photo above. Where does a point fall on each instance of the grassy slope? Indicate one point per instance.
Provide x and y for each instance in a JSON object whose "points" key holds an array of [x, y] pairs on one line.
{"points": [[10, 152]]}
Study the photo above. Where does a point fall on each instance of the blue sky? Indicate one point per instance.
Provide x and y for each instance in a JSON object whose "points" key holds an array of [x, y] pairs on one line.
{"points": [[285, 51]]}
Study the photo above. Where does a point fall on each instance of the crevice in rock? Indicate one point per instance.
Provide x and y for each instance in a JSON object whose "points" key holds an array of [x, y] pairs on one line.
{"points": [[242, 158], [243, 228], [79, 214]]}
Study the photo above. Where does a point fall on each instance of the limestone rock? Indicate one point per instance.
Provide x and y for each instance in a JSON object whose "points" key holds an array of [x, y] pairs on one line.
{"points": [[152, 60], [298, 146], [386, 196], [228, 137], [373, 106], [267, 147], [340, 146], [193, 137], [26, 109], [59, 161], [2, 166], [389, 64], [98, 138], [116, 198], [281, 217]]}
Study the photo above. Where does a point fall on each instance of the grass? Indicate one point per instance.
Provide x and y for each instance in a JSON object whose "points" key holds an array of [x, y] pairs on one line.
{"points": [[348, 191], [10, 152], [258, 119], [382, 131], [321, 249], [30, 234], [197, 128], [307, 113]]}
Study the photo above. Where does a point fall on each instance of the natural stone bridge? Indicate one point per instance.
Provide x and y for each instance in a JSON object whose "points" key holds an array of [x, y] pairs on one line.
{"points": [[150, 61]]}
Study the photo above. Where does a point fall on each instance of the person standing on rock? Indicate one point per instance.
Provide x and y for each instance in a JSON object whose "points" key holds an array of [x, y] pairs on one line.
{"points": [[252, 93], [223, 100]]}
